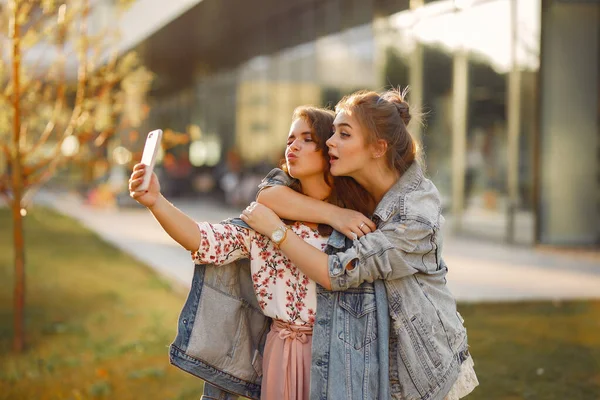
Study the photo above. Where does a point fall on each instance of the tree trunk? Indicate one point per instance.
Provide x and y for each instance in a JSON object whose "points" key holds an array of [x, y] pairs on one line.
{"points": [[17, 185], [19, 294]]}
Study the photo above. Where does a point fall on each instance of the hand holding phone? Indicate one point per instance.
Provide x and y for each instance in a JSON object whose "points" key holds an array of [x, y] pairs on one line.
{"points": [[149, 157]]}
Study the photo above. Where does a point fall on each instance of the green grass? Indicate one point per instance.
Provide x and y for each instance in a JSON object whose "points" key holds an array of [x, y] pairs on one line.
{"points": [[99, 323], [535, 350]]}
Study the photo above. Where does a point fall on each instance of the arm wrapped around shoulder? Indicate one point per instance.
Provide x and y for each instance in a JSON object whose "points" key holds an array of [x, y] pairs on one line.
{"points": [[401, 248]]}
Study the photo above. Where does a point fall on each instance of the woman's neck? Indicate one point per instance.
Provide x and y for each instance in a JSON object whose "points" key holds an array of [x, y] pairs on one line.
{"points": [[315, 187], [377, 180]]}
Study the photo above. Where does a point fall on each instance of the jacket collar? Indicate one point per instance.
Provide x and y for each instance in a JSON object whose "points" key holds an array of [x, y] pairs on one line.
{"points": [[409, 180]]}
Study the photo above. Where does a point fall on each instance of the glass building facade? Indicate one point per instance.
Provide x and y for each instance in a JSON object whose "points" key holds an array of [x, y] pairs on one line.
{"points": [[513, 158]]}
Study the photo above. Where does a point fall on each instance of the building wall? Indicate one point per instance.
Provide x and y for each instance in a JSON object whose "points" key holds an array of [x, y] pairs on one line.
{"points": [[261, 133], [569, 124]]}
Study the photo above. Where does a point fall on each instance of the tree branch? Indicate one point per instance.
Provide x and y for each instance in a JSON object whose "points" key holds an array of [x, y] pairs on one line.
{"points": [[49, 128], [37, 180], [30, 170], [81, 77]]}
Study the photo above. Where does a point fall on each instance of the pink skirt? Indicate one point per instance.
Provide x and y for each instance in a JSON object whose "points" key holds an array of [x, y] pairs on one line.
{"points": [[286, 362]]}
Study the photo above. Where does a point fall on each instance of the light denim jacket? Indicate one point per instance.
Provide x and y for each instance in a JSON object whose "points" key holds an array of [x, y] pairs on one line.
{"points": [[428, 341], [222, 331]]}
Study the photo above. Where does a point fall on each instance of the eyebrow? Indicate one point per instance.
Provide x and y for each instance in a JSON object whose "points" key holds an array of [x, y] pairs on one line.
{"points": [[343, 124], [302, 134]]}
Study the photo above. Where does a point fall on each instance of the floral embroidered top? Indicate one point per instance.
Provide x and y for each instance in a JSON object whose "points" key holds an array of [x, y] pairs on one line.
{"points": [[282, 290]]}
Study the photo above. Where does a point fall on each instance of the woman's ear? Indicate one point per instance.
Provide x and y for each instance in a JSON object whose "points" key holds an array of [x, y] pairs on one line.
{"points": [[379, 148]]}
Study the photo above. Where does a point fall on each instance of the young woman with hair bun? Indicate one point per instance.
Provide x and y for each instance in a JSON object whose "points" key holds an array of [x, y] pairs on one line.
{"points": [[370, 143]]}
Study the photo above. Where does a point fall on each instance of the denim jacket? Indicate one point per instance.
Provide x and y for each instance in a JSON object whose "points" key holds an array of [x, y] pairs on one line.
{"points": [[428, 341], [222, 331]]}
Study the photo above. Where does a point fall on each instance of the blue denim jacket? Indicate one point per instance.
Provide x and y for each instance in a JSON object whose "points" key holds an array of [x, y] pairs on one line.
{"points": [[428, 341], [222, 331]]}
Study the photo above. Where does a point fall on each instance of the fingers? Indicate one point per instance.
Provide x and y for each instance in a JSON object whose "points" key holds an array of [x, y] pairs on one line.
{"points": [[354, 234], [355, 222], [245, 216], [248, 210], [137, 174], [360, 230], [134, 184], [136, 195], [364, 228], [369, 224]]}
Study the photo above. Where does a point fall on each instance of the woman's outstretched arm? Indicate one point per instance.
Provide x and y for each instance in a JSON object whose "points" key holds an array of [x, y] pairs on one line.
{"points": [[178, 225]]}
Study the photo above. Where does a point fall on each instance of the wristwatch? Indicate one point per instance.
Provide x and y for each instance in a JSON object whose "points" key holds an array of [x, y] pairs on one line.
{"points": [[279, 234]]}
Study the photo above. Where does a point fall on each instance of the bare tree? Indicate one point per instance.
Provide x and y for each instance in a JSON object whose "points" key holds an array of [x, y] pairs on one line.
{"points": [[61, 88]]}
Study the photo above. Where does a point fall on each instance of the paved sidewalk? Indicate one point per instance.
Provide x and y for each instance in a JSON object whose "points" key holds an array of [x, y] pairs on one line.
{"points": [[478, 271]]}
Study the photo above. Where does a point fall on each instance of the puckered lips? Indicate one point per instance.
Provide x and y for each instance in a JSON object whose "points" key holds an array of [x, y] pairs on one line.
{"points": [[291, 157]]}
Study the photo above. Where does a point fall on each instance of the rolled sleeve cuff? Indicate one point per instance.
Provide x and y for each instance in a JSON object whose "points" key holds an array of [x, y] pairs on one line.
{"points": [[340, 277]]}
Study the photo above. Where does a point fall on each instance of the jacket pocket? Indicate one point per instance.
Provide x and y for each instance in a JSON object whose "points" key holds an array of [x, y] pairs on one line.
{"points": [[224, 336], [358, 318], [426, 341]]}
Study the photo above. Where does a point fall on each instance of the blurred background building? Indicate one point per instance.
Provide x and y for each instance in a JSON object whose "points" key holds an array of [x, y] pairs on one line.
{"points": [[509, 90]]}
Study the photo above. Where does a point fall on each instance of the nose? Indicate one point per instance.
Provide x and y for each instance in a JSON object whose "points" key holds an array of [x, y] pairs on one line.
{"points": [[294, 146], [331, 141]]}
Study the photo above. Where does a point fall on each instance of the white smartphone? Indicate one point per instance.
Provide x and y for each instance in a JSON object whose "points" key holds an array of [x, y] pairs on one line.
{"points": [[149, 156]]}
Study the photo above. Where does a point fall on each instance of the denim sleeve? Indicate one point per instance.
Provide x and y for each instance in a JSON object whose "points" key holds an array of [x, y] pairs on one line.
{"points": [[275, 177], [393, 252]]}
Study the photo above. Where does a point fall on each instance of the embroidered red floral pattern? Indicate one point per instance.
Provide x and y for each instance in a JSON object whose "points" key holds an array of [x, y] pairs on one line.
{"points": [[282, 290]]}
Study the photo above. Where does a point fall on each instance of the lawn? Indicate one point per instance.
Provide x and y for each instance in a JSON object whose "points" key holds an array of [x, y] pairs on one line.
{"points": [[536, 350], [99, 324]]}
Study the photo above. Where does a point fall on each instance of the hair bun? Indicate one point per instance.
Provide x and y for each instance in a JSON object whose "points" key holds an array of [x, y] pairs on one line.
{"points": [[404, 111], [397, 97]]}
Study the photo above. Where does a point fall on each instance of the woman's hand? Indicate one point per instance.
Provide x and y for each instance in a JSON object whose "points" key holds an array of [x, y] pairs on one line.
{"points": [[351, 223], [261, 218], [148, 197]]}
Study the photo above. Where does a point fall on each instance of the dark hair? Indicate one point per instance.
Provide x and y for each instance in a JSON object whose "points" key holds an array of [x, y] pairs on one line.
{"points": [[384, 116], [345, 191]]}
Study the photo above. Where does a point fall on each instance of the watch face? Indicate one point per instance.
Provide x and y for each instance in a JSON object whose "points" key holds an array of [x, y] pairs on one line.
{"points": [[277, 235]]}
